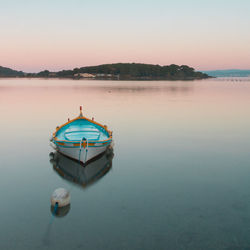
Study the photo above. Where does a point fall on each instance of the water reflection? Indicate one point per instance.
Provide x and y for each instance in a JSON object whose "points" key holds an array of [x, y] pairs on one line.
{"points": [[73, 171], [60, 211], [167, 87]]}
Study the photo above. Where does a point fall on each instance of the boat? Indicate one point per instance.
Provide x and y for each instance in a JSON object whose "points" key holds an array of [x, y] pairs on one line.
{"points": [[81, 138], [83, 176]]}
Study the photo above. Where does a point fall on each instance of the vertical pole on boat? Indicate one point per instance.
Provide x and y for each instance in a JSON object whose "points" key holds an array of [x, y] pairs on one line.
{"points": [[80, 149], [80, 111], [86, 150]]}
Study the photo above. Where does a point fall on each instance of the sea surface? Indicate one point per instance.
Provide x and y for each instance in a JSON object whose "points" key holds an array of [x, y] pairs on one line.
{"points": [[178, 177]]}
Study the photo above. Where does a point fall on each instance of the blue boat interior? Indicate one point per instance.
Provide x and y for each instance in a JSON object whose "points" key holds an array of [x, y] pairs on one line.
{"points": [[81, 128]]}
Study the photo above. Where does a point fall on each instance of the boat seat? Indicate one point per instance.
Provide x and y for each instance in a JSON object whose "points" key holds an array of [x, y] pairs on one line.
{"points": [[77, 135]]}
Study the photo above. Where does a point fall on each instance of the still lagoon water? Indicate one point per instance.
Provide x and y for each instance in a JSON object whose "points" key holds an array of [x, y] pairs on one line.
{"points": [[178, 178]]}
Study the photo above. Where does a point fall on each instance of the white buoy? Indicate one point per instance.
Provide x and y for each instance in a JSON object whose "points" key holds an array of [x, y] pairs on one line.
{"points": [[60, 197]]}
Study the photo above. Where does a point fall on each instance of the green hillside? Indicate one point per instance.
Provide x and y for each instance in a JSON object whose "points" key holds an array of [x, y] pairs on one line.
{"points": [[7, 72], [137, 71]]}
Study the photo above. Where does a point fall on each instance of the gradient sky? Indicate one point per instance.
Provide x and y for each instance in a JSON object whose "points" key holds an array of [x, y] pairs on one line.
{"points": [[64, 34]]}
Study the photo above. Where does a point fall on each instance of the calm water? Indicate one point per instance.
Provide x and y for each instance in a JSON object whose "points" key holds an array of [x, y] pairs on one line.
{"points": [[179, 177]]}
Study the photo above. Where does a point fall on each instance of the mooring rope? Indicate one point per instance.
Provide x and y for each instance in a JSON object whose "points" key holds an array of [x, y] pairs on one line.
{"points": [[46, 238]]}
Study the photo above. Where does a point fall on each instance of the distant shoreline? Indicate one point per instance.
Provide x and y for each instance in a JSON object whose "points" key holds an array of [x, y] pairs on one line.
{"points": [[118, 71], [228, 73], [101, 79]]}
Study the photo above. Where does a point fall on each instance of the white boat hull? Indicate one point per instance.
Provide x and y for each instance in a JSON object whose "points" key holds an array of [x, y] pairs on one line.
{"points": [[84, 154]]}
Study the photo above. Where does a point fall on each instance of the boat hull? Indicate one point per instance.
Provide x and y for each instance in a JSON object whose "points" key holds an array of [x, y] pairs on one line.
{"points": [[82, 154]]}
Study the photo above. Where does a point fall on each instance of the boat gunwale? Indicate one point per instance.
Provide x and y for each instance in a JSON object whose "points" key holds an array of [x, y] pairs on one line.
{"points": [[89, 146], [78, 141]]}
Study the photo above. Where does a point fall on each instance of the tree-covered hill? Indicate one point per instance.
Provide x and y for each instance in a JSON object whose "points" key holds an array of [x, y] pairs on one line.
{"points": [[118, 71], [7, 72], [137, 71]]}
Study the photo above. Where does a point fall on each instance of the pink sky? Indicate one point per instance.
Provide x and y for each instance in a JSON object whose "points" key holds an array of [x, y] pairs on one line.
{"points": [[40, 35]]}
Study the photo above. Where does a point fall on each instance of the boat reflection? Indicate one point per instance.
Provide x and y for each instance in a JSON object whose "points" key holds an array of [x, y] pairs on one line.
{"points": [[76, 172]]}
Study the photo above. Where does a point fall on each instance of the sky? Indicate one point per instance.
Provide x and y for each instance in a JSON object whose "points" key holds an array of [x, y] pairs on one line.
{"points": [[65, 34]]}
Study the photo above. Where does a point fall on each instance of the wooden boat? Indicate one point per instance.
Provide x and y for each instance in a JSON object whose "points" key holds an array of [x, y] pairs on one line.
{"points": [[85, 176], [81, 139]]}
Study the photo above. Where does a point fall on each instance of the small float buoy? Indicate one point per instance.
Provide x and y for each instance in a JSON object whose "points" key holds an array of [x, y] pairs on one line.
{"points": [[60, 198]]}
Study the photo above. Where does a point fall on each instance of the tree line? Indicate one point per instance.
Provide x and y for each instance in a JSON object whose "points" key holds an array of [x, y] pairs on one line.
{"points": [[120, 71]]}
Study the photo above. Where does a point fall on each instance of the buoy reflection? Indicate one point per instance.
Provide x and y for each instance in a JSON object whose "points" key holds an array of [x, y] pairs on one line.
{"points": [[60, 211]]}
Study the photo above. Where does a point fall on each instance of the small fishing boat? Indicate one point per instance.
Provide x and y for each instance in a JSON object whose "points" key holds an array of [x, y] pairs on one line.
{"points": [[81, 138]]}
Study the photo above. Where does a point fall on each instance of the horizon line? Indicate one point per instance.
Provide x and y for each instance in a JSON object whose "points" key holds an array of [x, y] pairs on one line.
{"points": [[200, 70]]}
